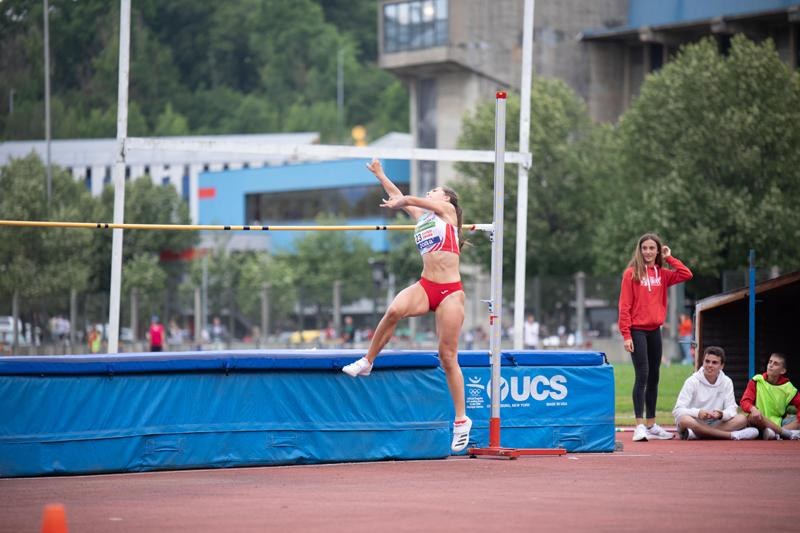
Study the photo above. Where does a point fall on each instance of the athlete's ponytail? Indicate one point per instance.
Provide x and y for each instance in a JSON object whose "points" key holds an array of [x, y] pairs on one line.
{"points": [[454, 201]]}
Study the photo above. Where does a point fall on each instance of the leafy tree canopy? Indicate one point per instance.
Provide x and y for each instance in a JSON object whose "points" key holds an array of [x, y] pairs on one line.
{"points": [[39, 261], [708, 158], [562, 187], [199, 67]]}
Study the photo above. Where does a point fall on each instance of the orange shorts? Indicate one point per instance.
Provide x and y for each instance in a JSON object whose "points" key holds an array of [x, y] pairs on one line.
{"points": [[439, 291]]}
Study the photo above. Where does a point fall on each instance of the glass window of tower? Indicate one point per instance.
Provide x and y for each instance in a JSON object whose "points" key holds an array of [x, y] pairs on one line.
{"points": [[414, 25]]}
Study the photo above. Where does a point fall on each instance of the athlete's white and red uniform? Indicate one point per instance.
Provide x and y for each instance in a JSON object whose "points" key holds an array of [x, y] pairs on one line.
{"points": [[433, 234]]}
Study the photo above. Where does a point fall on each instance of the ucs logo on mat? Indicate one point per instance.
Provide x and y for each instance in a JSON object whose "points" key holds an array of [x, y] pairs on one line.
{"points": [[521, 388]]}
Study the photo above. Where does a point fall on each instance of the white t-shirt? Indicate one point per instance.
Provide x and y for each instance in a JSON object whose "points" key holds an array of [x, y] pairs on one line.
{"points": [[530, 333]]}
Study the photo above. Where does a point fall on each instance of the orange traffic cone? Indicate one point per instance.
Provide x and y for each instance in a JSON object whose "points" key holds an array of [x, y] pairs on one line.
{"points": [[54, 519]]}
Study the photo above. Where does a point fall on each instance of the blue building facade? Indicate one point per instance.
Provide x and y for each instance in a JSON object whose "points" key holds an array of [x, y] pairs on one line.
{"points": [[658, 12], [296, 194]]}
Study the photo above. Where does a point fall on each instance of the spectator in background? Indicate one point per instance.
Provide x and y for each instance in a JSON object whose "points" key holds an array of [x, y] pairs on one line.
{"points": [[706, 407], [156, 335], [469, 339], [217, 333], [348, 332], [766, 399], [530, 333], [94, 340], [685, 338], [175, 333], [642, 309]]}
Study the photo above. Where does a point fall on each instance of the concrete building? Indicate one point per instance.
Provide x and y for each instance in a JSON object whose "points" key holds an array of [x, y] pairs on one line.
{"points": [[654, 30], [452, 54]]}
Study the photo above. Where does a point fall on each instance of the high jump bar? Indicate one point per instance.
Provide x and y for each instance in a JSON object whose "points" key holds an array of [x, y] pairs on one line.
{"points": [[210, 227]]}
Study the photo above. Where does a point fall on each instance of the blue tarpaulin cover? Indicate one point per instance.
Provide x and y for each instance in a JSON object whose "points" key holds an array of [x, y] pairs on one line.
{"points": [[138, 412], [201, 410], [546, 406]]}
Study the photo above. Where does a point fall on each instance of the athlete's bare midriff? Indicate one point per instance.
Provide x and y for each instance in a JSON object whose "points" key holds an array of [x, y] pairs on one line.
{"points": [[441, 267]]}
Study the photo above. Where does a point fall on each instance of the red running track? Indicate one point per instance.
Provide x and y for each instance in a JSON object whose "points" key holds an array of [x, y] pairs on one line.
{"points": [[653, 486]]}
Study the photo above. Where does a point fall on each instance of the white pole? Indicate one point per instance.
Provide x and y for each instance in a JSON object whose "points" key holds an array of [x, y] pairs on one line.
{"points": [[496, 297], [340, 95], [47, 102], [522, 172], [119, 173]]}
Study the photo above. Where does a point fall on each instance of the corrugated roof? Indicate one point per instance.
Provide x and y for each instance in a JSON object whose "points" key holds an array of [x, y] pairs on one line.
{"points": [[101, 152]]}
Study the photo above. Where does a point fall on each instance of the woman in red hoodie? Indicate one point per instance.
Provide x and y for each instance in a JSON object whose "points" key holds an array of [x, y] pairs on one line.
{"points": [[642, 308]]}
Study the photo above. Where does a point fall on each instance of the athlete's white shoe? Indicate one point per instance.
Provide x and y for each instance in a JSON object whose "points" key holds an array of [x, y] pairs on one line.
{"points": [[745, 434], [461, 434], [657, 432], [769, 434], [362, 367], [640, 433]]}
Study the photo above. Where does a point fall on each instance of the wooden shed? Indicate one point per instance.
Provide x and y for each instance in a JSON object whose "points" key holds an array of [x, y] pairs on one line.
{"points": [[722, 320]]}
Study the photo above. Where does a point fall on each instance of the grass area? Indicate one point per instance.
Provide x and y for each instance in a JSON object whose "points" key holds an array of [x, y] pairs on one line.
{"points": [[672, 378]]}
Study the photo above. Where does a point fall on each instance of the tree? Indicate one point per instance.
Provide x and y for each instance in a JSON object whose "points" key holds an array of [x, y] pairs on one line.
{"points": [[356, 19], [170, 123], [145, 203], [42, 262], [403, 259], [708, 159], [247, 66], [262, 269], [324, 257], [562, 186], [143, 273]]}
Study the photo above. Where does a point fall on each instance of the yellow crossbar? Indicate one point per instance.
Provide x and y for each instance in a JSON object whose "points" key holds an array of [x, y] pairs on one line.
{"points": [[208, 227]]}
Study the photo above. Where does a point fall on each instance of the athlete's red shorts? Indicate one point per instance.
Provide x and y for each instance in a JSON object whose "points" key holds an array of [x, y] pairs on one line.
{"points": [[439, 291]]}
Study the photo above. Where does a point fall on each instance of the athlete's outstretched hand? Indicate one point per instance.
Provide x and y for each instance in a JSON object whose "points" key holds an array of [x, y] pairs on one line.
{"points": [[394, 202], [375, 167]]}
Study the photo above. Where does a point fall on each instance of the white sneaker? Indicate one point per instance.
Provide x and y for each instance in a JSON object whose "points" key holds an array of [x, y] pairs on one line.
{"points": [[795, 434], [744, 434], [657, 432], [769, 434], [690, 435], [461, 435], [640, 433], [362, 367]]}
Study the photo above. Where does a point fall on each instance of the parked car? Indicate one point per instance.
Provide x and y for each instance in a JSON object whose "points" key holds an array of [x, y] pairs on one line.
{"points": [[7, 331], [306, 336]]}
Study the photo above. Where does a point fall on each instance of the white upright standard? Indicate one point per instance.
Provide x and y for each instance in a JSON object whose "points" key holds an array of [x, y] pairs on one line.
{"points": [[496, 297]]}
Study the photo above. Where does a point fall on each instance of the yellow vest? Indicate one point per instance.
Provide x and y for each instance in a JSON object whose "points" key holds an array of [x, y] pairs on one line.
{"points": [[772, 400]]}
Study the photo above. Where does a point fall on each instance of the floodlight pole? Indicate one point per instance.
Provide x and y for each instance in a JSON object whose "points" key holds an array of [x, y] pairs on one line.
{"points": [[119, 174], [522, 171], [751, 314], [47, 128]]}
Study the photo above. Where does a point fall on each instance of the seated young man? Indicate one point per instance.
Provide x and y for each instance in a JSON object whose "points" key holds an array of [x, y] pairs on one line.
{"points": [[766, 399], [706, 406]]}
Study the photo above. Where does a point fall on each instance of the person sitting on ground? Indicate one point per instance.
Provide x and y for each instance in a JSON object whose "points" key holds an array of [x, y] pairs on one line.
{"points": [[766, 399], [706, 407]]}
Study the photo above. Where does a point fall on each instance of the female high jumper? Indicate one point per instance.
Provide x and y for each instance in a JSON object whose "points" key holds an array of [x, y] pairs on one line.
{"points": [[438, 238]]}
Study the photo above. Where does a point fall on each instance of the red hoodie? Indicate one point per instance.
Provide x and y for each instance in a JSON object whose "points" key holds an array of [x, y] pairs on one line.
{"points": [[643, 305]]}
